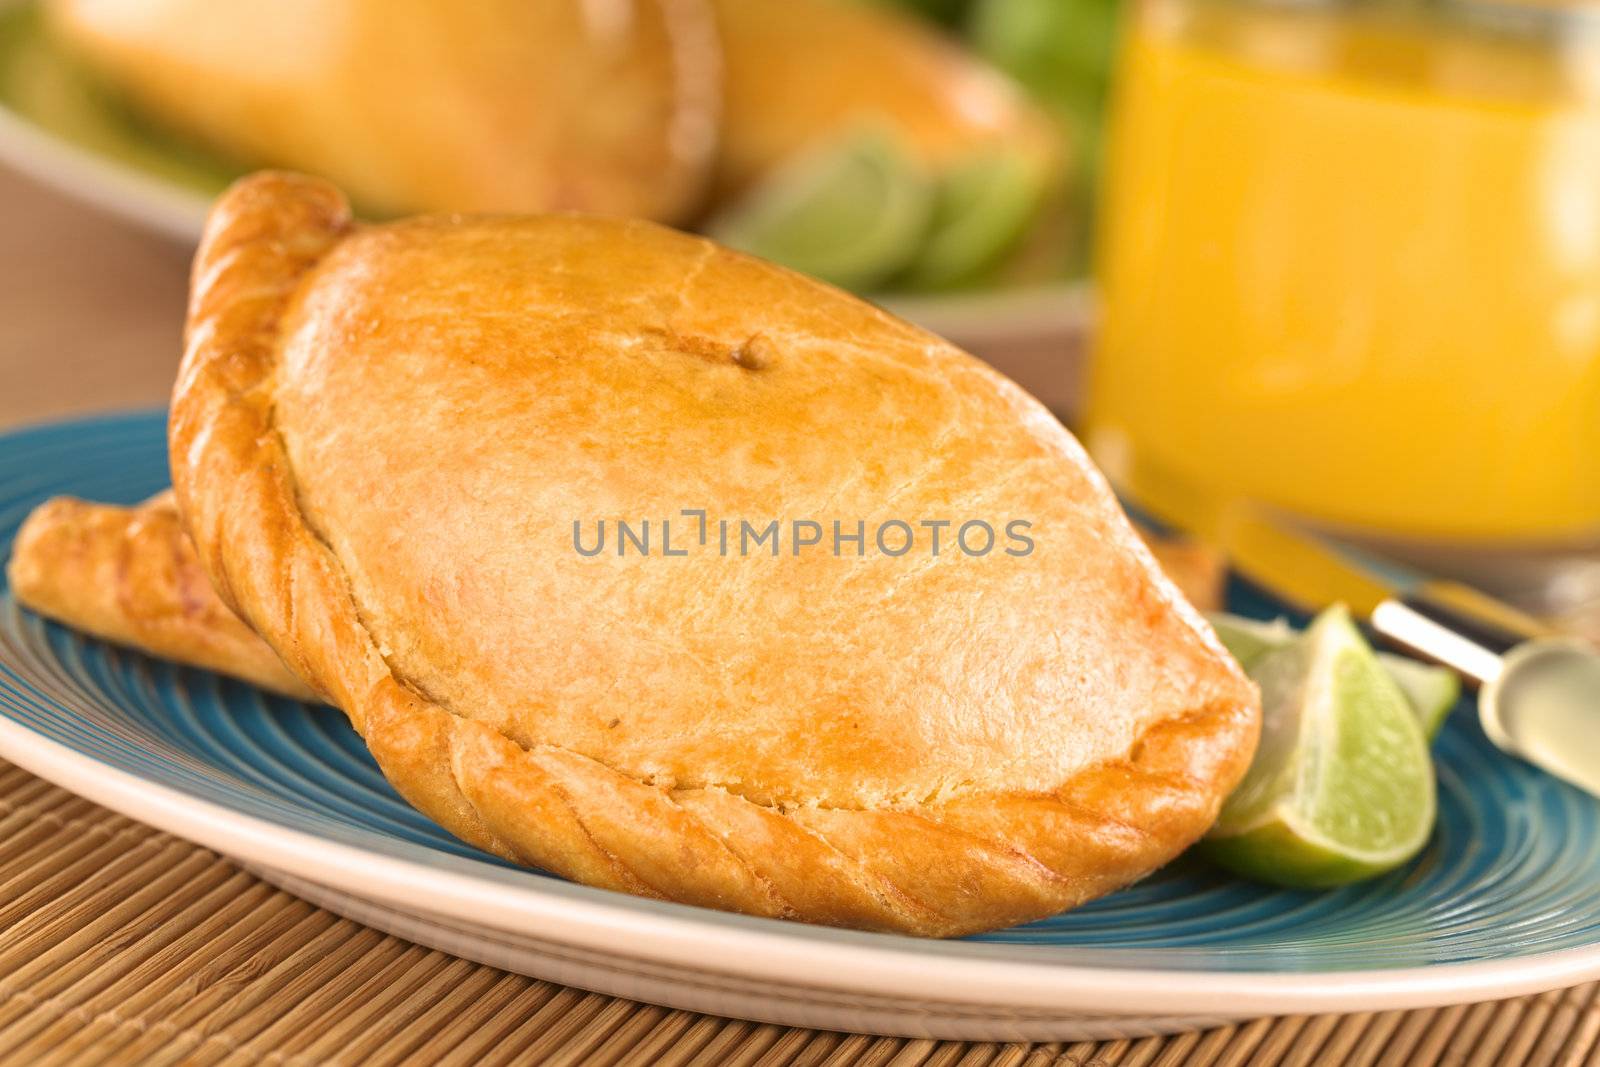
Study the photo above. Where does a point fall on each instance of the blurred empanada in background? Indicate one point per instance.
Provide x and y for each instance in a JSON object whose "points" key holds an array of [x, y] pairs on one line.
{"points": [[419, 105], [623, 107]]}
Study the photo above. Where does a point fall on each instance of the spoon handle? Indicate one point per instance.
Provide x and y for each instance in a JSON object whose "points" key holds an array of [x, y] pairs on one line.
{"points": [[1455, 625]]}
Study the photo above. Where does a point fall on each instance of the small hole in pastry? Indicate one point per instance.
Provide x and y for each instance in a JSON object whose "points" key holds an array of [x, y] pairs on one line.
{"points": [[754, 354]]}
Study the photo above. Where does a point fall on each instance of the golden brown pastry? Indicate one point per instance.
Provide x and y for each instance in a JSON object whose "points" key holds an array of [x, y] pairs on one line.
{"points": [[130, 575], [381, 439], [799, 73], [416, 105]]}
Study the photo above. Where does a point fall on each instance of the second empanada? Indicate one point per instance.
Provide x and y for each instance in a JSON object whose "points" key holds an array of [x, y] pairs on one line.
{"points": [[416, 105]]}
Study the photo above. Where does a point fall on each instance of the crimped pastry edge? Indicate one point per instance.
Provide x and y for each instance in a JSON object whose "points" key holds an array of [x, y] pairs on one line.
{"points": [[129, 576], [973, 862]]}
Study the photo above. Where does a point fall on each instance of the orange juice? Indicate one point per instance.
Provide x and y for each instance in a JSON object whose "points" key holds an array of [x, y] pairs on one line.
{"points": [[1351, 266]]}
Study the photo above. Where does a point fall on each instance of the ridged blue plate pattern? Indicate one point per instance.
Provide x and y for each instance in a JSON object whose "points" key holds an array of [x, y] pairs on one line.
{"points": [[1513, 869]]}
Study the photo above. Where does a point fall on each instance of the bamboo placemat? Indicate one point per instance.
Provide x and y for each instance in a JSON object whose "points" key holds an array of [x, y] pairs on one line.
{"points": [[119, 944]]}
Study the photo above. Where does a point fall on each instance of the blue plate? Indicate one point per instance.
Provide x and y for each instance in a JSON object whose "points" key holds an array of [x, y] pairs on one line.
{"points": [[1506, 898]]}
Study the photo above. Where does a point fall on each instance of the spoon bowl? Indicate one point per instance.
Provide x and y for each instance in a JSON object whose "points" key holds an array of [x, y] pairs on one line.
{"points": [[1544, 706]]}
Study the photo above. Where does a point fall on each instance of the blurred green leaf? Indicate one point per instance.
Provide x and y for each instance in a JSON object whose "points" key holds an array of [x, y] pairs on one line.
{"points": [[1062, 50], [952, 13]]}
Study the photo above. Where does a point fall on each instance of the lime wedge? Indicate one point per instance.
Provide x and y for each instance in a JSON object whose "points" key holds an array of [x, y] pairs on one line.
{"points": [[1431, 691], [1341, 787], [982, 207], [1250, 639], [853, 212]]}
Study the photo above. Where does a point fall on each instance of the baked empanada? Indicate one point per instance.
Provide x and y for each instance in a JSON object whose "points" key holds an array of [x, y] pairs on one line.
{"points": [[130, 575], [392, 447], [799, 73], [415, 105]]}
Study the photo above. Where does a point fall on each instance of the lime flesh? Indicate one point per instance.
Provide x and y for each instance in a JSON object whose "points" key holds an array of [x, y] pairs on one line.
{"points": [[982, 207], [1431, 691], [1341, 787], [1250, 639], [854, 212]]}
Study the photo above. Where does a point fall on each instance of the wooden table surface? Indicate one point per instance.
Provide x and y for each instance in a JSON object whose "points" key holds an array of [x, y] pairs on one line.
{"points": [[119, 944]]}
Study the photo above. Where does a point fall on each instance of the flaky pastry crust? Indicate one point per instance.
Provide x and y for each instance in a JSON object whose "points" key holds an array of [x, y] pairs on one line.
{"points": [[380, 438], [130, 576]]}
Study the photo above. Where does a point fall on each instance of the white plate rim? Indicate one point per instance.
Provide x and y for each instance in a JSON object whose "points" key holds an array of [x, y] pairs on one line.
{"points": [[85, 175], [769, 950]]}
